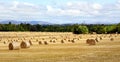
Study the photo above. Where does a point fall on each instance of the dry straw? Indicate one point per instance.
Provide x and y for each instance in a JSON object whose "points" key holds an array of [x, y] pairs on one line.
{"points": [[91, 42], [25, 44], [14, 46]]}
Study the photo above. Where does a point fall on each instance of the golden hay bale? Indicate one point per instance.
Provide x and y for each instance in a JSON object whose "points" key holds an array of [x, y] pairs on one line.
{"points": [[87, 41], [73, 41], [91, 42], [5, 42], [62, 41], [45, 43], [51, 40], [69, 40], [112, 39], [54, 41], [14, 46], [25, 44], [40, 42]]}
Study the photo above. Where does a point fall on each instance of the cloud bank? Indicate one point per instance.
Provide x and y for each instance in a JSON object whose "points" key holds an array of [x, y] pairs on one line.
{"points": [[70, 12]]}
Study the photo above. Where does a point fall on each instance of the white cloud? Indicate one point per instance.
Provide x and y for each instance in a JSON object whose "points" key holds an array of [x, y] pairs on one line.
{"points": [[69, 3], [97, 6], [15, 4], [70, 11], [50, 8]]}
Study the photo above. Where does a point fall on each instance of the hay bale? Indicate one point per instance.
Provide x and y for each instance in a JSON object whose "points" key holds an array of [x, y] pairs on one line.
{"points": [[40, 42], [51, 40], [73, 41], [25, 44], [14, 46], [111, 39], [54, 41], [45, 43], [69, 40], [87, 41], [62, 41], [91, 42], [5, 42]]}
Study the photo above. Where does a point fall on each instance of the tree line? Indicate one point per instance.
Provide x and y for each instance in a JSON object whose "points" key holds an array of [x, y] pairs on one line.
{"points": [[75, 28]]}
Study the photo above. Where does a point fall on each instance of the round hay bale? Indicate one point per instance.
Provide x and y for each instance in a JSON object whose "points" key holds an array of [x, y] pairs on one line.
{"points": [[40, 42], [112, 39], [87, 41], [51, 40], [25, 44], [45, 43], [54, 41], [69, 40], [5, 42], [91, 42], [62, 41], [14, 46], [73, 41]]}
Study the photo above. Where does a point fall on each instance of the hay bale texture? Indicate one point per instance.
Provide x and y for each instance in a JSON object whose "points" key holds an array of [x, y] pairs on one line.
{"points": [[14, 46], [40, 42], [91, 42], [25, 44]]}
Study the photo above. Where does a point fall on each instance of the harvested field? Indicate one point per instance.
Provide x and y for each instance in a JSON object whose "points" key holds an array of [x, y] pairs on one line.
{"points": [[104, 51]]}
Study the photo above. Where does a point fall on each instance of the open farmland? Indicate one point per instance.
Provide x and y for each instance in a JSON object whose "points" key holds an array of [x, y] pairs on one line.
{"points": [[59, 47]]}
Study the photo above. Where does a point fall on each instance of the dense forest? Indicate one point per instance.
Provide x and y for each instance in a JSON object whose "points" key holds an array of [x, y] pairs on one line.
{"points": [[75, 28]]}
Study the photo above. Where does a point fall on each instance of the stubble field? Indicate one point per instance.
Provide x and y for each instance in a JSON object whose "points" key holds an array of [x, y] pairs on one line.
{"points": [[105, 50]]}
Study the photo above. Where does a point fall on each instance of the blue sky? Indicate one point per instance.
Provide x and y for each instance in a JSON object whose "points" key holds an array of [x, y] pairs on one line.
{"points": [[61, 11]]}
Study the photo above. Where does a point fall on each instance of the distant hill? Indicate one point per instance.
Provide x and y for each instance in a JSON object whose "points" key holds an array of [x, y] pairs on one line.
{"points": [[48, 23], [30, 22]]}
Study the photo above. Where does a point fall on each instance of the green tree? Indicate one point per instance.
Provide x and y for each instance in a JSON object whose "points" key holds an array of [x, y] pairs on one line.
{"points": [[118, 28], [78, 29], [111, 29]]}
